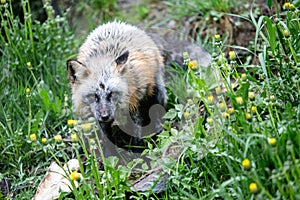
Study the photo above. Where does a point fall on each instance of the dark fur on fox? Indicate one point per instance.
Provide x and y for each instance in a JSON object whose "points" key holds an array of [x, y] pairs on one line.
{"points": [[119, 73]]}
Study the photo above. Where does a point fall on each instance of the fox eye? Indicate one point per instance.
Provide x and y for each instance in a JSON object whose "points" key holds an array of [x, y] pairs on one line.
{"points": [[122, 58], [111, 94], [93, 97]]}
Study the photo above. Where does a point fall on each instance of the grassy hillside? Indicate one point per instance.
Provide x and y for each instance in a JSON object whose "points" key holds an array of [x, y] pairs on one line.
{"points": [[239, 139]]}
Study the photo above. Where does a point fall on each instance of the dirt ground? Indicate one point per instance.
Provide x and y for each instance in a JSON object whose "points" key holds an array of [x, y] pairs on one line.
{"points": [[239, 31]]}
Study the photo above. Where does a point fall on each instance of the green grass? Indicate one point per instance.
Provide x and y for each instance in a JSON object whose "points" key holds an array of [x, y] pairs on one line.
{"points": [[254, 117]]}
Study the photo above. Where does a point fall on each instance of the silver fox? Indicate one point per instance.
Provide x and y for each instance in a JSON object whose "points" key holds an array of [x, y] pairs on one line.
{"points": [[118, 77]]}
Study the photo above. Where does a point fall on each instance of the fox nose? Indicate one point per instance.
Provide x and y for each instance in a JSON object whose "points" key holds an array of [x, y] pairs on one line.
{"points": [[104, 115], [104, 118]]}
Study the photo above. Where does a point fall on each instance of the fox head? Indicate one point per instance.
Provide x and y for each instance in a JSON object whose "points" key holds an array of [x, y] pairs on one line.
{"points": [[116, 67], [98, 93]]}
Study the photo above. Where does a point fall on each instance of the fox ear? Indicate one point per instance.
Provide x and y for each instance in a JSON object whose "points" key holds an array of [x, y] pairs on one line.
{"points": [[76, 70], [121, 60]]}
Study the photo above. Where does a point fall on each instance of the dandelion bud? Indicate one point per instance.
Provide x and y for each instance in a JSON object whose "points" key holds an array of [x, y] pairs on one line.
{"points": [[28, 64], [286, 33], [71, 122], [246, 163], [217, 36], [253, 109], [288, 5], [210, 99], [218, 90], [74, 137], [225, 115], [92, 143], [44, 140], [86, 127], [244, 77], [193, 64], [32, 137], [247, 115], [185, 55], [222, 106], [239, 100], [210, 120], [272, 141], [253, 188], [232, 55], [58, 138], [75, 176], [186, 114], [292, 7], [231, 110], [251, 95]]}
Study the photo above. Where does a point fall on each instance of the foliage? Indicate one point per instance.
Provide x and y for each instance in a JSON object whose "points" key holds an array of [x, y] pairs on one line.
{"points": [[238, 140], [255, 119], [97, 11], [33, 87]]}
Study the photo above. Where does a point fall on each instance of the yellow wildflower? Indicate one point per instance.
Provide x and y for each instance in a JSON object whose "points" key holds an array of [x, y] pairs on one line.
{"points": [[210, 120], [288, 5], [75, 176], [218, 90], [239, 100], [251, 95], [253, 109], [44, 140], [286, 33], [231, 110], [186, 114], [243, 76], [272, 141], [246, 163], [92, 141], [253, 187], [217, 36], [210, 99], [27, 90], [3, 1], [32, 137], [222, 106], [72, 122], [28, 64], [86, 127], [232, 55], [247, 115], [272, 97], [74, 137], [185, 55], [193, 64], [225, 115], [58, 138]]}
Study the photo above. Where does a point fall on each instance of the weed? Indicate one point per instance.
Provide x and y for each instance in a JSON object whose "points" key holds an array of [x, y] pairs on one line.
{"points": [[237, 139], [33, 87]]}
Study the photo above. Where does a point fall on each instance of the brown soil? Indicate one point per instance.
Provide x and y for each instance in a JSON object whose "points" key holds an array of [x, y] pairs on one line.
{"points": [[240, 31]]}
